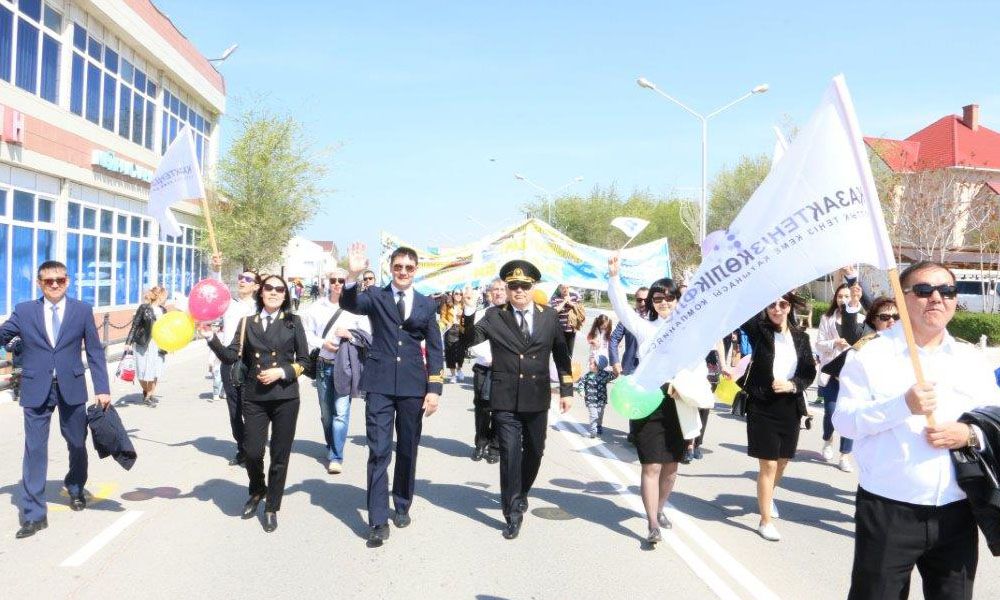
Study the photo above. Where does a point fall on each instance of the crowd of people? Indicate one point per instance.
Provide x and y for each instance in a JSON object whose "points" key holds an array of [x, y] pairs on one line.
{"points": [[392, 345]]}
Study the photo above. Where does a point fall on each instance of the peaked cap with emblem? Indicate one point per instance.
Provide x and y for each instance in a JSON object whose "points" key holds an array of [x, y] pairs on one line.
{"points": [[521, 271]]}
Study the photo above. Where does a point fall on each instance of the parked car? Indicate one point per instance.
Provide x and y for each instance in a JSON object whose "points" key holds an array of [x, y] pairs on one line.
{"points": [[979, 295]]}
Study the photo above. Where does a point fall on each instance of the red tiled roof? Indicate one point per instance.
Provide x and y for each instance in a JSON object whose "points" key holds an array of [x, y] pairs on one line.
{"points": [[947, 142], [326, 245]]}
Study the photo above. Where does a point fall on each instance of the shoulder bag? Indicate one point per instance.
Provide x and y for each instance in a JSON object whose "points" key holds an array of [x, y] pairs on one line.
{"points": [[239, 371], [313, 367]]}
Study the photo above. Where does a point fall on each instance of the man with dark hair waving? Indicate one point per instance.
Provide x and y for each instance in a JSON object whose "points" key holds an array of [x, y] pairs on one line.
{"points": [[52, 329], [399, 388], [522, 336]]}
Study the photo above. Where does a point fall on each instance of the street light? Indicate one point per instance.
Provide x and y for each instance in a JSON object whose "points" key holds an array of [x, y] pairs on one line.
{"points": [[547, 193], [649, 85], [226, 54]]}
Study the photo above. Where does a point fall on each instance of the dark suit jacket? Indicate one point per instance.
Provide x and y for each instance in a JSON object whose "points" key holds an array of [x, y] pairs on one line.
{"points": [[630, 358], [760, 374], [283, 345], [109, 435], [519, 375], [395, 364], [40, 358]]}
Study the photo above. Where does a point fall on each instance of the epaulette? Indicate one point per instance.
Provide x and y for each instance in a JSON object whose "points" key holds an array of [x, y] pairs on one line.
{"points": [[864, 340]]}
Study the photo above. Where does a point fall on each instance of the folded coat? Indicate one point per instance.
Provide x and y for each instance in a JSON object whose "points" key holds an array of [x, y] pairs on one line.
{"points": [[109, 435]]}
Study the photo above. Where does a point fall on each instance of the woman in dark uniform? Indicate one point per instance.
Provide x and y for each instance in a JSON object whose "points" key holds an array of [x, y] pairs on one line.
{"points": [[781, 368], [274, 354]]}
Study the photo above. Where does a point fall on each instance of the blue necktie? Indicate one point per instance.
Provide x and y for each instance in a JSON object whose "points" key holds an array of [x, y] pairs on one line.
{"points": [[56, 324]]}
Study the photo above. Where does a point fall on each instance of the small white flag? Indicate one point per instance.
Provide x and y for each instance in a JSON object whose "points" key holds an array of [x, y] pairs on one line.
{"points": [[630, 226], [780, 146], [177, 178]]}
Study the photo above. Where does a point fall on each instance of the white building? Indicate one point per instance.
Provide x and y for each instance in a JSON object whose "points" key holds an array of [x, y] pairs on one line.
{"points": [[307, 260]]}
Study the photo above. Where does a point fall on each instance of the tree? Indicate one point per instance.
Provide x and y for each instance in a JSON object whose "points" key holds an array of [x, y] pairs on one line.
{"points": [[732, 187], [266, 188]]}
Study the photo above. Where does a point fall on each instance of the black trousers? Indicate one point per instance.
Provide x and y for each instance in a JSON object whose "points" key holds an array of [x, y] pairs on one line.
{"points": [[892, 537], [703, 413], [485, 436], [521, 436], [281, 415], [234, 401], [570, 340], [382, 414]]}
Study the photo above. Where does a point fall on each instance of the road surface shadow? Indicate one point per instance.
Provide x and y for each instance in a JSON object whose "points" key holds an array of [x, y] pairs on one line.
{"points": [[464, 500], [344, 502], [227, 496], [310, 448], [55, 495], [588, 507], [210, 445], [447, 446]]}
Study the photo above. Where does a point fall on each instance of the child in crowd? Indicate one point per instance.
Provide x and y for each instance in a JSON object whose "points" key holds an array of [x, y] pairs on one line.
{"points": [[595, 392]]}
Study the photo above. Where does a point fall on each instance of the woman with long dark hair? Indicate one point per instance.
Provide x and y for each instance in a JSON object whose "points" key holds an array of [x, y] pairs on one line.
{"points": [[271, 346], [660, 437]]}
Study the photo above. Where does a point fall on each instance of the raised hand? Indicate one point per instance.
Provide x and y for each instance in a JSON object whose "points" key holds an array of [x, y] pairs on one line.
{"points": [[613, 265], [357, 259], [469, 296]]}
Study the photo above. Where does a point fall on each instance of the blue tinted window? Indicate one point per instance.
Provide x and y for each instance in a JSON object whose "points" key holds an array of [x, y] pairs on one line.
{"points": [[3, 211], [151, 89], [173, 129], [32, 8], [110, 86], [175, 104], [3, 269], [107, 221], [73, 215], [133, 273], [149, 125], [145, 229], [136, 227], [89, 218], [24, 206], [73, 263], [94, 49], [79, 38], [144, 267], [111, 60], [6, 42], [22, 266], [88, 266], [125, 114], [52, 20], [104, 272], [127, 71], [121, 271], [76, 86], [93, 93], [27, 56], [140, 80], [190, 270], [122, 225], [137, 118], [50, 69], [163, 134], [45, 246], [183, 114], [46, 208]]}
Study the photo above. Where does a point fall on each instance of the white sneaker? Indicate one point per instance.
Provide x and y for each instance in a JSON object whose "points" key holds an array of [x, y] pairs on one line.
{"points": [[845, 464], [774, 510], [769, 532], [828, 451]]}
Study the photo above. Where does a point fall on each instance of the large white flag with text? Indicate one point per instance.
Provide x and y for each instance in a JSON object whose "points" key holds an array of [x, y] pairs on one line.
{"points": [[816, 211], [177, 178]]}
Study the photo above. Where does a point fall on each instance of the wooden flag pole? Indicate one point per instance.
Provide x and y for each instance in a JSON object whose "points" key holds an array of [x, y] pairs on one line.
{"points": [[208, 223], [911, 343]]}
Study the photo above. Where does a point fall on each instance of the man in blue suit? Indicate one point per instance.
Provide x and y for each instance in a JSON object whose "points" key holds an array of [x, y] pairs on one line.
{"points": [[52, 329], [400, 386]]}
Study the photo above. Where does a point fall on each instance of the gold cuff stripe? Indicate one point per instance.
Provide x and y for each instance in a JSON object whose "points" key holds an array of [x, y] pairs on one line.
{"points": [[435, 379], [567, 379], [297, 368]]}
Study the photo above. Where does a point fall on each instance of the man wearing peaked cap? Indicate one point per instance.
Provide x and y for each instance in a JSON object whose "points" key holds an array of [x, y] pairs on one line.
{"points": [[522, 336]]}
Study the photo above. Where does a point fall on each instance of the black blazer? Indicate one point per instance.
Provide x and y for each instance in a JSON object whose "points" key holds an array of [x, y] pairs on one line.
{"points": [[759, 377], [283, 345], [520, 372]]}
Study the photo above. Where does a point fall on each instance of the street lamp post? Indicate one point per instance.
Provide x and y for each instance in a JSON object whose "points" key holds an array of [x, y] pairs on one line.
{"points": [[548, 195], [649, 85], [225, 54]]}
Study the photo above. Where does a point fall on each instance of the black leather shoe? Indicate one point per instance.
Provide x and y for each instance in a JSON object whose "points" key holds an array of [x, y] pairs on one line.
{"points": [[77, 503], [250, 508], [698, 455], [687, 457], [30, 528], [377, 535], [239, 459], [400, 520], [513, 527], [522, 505], [478, 454], [270, 521], [492, 456]]}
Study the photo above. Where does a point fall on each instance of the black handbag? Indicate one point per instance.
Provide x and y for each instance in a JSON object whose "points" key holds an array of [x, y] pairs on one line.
{"points": [[742, 400], [312, 368], [239, 371]]}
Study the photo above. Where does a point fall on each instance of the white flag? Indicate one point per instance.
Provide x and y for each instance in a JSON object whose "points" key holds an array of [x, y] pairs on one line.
{"points": [[177, 178], [816, 211], [631, 226], [780, 146]]}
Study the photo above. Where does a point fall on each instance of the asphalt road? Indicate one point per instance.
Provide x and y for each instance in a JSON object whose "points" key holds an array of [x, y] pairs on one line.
{"points": [[170, 527]]}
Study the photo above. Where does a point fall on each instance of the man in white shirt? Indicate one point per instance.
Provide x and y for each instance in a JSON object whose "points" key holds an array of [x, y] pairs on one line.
{"points": [[242, 305], [328, 326], [910, 509], [486, 445]]}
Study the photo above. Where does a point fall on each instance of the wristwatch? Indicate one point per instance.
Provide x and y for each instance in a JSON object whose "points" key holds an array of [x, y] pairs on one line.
{"points": [[973, 438]]}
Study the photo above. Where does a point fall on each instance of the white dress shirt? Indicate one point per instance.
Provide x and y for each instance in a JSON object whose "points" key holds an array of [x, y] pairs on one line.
{"points": [[407, 298], [264, 315], [49, 329], [319, 314], [785, 358], [894, 459], [231, 319]]}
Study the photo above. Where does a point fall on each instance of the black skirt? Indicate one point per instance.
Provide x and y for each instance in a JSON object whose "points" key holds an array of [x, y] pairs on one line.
{"points": [[773, 427], [658, 437]]}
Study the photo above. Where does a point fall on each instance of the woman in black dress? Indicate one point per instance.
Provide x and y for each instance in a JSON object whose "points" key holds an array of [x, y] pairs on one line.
{"points": [[781, 368], [274, 354]]}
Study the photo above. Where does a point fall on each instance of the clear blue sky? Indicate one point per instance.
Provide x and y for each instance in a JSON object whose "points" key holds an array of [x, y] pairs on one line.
{"points": [[420, 96]]}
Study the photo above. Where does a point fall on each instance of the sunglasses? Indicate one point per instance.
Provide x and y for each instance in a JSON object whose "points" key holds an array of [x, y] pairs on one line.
{"points": [[407, 268], [339, 280], [273, 288], [518, 285], [666, 298], [886, 317], [640, 299], [53, 281], [780, 304], [926, 290], [246, 279], [369, 278]]}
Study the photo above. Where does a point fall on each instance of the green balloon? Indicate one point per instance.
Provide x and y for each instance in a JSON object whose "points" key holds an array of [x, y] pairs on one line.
{"points": [[631, 400]]}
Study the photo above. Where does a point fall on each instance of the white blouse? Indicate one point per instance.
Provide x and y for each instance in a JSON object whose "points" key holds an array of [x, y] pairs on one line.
{"points": [[785, 358]]}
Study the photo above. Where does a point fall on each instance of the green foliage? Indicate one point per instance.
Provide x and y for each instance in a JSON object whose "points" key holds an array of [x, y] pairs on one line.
{"points": [[819, 309], [970, 325], [732, 187], [266, 188]]}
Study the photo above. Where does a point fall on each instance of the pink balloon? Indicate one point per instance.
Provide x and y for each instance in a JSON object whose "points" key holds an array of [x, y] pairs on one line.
{"points": [[209, 300]]}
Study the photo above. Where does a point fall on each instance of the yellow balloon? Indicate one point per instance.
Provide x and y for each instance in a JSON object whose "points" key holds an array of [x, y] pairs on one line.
{"points": [[540, 297], [173, 331]]}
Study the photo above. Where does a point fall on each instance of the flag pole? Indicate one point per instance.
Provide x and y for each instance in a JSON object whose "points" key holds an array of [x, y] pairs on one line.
{"points": [[629, 241], [911, 342], [208, 223]]}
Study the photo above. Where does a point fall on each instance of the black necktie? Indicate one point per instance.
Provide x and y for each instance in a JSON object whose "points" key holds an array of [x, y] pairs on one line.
{"points": [[401, 305], [268, 324], [523, 324]]}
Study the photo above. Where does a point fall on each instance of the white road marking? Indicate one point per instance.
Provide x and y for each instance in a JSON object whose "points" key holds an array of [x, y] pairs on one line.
{"points": [[82, 555], [725, 560]]}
